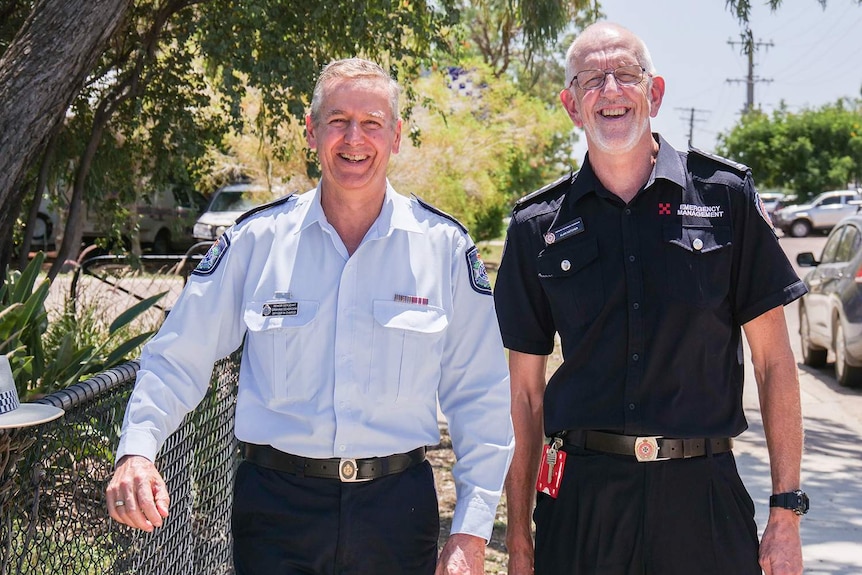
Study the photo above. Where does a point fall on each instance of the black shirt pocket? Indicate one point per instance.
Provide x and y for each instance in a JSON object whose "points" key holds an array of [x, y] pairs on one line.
{"points": [[698, 262], [571, 275]]}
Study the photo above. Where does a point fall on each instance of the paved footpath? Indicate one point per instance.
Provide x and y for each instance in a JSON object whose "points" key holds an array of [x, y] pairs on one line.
{"points": [[832, 465]]}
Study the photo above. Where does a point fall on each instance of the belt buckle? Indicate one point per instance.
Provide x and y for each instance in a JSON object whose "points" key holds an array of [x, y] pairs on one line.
{"points": [[348, 471], [646, 449]]}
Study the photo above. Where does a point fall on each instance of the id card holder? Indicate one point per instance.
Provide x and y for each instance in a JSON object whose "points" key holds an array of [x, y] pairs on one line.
{"points": [[551, 466]]}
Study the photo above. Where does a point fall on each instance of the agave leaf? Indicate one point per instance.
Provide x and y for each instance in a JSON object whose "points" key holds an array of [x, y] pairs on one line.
{"points": [[130, 314], [121, 350]]}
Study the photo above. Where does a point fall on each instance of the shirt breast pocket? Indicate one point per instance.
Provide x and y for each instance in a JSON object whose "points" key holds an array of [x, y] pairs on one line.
{"points": [[698, 263], [277, 346], [406, 339], [571, 275]]}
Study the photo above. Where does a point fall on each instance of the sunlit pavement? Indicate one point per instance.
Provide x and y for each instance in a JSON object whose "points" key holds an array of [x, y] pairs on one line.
{"points": [[832, 463]]}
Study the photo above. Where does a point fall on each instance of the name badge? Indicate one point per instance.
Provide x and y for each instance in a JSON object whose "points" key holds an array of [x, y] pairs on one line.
{"points": [[280, 308]]}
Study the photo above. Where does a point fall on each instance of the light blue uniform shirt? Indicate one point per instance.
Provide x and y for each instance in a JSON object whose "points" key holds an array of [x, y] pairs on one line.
{"points": [[345, 356]]}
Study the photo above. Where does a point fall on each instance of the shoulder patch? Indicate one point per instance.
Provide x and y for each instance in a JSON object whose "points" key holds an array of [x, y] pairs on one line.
{"points": [[532, 196], [265, 206], [431, 208], [213, 256], [721, 160], [479, 280]]}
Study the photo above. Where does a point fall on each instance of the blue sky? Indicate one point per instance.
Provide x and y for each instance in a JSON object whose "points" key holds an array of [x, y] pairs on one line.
{"points": [[815, 58]]}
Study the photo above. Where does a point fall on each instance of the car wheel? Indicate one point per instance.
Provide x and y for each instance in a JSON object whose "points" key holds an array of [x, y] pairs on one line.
{"points": [[812, 355], [800, 229], [162, 242], [846, 374]]}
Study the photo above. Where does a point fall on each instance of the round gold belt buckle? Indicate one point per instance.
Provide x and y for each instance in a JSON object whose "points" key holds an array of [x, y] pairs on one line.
{"points": [[646, 449]]}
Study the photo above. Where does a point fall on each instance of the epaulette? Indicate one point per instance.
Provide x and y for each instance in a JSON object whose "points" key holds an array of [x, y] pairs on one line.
{"points": [[742, 168], [265, 206], [543, 190], [441, 213]]}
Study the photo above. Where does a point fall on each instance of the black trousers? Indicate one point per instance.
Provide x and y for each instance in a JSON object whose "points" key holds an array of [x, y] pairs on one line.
{"points": [[615, 516], [283, 524]]}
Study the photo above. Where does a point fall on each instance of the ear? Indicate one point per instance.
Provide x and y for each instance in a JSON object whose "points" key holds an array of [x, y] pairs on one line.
{"points": [[396, 143], [570, 104], [656, 95], [309, 133]]}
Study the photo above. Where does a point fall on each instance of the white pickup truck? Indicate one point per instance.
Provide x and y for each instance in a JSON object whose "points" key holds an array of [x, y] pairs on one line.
{"points": [[820, 214]]}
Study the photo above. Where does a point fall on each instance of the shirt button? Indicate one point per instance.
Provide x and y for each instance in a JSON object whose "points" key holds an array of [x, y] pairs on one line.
{"points": [[635, 357], [697, 244], [565, 265], [631, 258], [628, 211], [342, 448], [631, 407], [636, 305]]}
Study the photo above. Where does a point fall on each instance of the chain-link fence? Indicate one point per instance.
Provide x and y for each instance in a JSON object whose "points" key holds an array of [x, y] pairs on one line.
{"points": [[53, 479]]}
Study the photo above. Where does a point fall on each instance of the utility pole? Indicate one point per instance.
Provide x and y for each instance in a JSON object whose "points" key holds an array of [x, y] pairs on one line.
{"points": [[691, 121], [750, 47]]}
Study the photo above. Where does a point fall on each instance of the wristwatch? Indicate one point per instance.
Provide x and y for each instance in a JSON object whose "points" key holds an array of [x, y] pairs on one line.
{"points": [[796, 501]]}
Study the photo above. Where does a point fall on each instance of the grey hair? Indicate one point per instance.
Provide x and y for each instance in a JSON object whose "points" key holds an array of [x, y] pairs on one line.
{"points": [[642, 54], [352, 68]]}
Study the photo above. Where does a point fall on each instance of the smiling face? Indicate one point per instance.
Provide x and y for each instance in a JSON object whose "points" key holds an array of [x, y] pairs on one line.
{"points": [[615, 117], [354, 132]]}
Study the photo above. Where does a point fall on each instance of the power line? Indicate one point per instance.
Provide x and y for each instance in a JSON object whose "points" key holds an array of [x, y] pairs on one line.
{"points": [[749, 47]]}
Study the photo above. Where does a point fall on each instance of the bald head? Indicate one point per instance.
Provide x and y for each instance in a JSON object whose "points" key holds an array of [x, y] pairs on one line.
{"points": [[601, 37]]}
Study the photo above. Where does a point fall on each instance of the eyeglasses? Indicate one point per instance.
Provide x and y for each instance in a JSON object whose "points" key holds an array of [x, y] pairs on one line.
{"points": [[595, 79]]}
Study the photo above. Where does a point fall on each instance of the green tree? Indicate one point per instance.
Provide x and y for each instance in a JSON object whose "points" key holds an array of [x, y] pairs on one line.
{"points": [[484, 143], [808, 152]]}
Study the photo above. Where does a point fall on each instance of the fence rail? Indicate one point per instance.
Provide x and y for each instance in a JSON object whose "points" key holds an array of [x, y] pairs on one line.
{"points": [[53, 479]]}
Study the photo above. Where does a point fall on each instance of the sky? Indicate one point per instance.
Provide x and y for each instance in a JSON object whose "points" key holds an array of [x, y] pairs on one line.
{"points": [[815, 57]]}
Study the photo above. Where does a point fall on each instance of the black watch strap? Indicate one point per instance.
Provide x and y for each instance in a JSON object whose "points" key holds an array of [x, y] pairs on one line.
{"points": [[796, 501]]}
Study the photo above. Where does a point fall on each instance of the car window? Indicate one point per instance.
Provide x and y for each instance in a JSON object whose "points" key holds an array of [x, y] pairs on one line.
{"points": [[831, 248], [848, 245], [830, 200]]}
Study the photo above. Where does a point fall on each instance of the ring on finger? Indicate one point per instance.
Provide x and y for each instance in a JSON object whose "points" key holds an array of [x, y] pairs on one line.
{"points": [[119, 503]]}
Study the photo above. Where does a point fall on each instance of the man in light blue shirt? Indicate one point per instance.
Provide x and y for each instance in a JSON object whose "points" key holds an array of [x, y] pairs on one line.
{"points": [[361, 309]]}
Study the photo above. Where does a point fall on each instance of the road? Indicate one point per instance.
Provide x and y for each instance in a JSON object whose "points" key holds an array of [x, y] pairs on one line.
{"points": [[832, 463]]}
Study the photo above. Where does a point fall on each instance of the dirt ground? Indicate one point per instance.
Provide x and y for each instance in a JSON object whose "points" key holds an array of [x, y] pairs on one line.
{"points": [[442, 459]]}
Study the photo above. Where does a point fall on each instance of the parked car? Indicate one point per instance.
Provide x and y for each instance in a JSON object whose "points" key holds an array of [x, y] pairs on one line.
{"points": [[229, 203], [164, 220], [830, 314], [772, 201], [820, 214]]}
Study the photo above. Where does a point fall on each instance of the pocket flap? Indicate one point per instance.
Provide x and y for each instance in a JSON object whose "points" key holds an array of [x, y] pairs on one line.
{"points": [[397, 315], [568, 258], [703, 239]]}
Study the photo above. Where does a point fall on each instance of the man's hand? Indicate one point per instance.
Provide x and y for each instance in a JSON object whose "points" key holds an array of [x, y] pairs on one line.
{"points": [[142, 491], [781, 546], [462, 555]]}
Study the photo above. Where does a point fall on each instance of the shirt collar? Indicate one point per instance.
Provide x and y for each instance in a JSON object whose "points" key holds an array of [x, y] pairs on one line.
{"points": [[396, 214], [668, 166]]}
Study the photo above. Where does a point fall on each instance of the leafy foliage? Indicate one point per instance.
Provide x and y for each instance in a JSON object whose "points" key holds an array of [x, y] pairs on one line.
{"points": [[808, 152], [485, 143], [47, 356]]}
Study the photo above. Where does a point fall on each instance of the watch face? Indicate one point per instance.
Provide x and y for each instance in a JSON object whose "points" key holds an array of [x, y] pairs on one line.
{"points": [[797, 501]]}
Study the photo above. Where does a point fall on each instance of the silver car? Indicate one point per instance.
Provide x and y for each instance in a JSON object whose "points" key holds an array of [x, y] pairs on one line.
{"points": [[229, 203]]}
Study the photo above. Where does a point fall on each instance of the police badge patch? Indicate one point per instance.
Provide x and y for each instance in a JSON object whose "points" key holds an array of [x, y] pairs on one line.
{"points": [[478, 274], [213, 257]]}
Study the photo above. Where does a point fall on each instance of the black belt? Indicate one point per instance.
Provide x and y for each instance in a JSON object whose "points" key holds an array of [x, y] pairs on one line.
{"points": [[647, 448], [345, 469]]}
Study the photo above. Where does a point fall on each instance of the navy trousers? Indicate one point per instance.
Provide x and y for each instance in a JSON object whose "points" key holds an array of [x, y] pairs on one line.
{"points": [[284, 524], [615, 516]]}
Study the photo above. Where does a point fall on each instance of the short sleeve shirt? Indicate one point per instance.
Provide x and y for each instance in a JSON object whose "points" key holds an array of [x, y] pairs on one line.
{"points": [[648, 298]]}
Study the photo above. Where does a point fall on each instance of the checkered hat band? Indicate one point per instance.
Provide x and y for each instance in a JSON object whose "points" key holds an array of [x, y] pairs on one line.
{"points": [[8, 401]]}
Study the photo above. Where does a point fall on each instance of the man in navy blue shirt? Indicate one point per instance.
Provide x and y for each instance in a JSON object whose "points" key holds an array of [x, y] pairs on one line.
{"points": [[648, 264]]}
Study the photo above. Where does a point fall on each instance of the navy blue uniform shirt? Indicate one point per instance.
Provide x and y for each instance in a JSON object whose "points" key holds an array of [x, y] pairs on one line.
{"points": [[648, 297]]}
